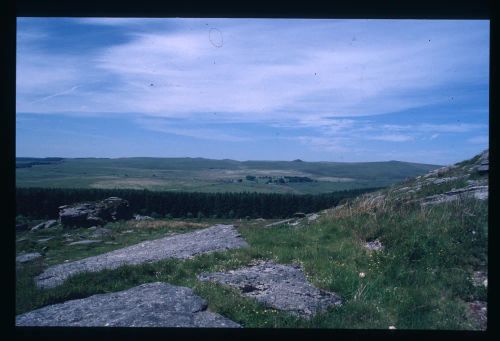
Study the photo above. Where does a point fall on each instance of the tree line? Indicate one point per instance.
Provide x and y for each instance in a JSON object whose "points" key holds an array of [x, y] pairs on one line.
{"points": [[44, 202]]}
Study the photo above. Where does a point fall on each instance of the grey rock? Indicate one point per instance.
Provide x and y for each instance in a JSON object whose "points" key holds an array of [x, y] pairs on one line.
{"points": [[374, 245], [45, 225], [182, 246], [477, 192], [100, 232], [94, 213], [283, 287], [483, 169], [444, 180], [299, 215], [480, 278], [85, 242], [28, 257], [313, 217], [147, 305], [44, 240], [142, 217], [281, 222]]}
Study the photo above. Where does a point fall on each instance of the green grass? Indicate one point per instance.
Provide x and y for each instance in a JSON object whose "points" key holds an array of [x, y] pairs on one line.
{"points": [[419, 281], [205, 175]]}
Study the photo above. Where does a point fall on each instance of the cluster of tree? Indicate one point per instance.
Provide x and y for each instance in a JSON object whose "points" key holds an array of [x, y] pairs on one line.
{"points": [[44, 202], [27, 162]]}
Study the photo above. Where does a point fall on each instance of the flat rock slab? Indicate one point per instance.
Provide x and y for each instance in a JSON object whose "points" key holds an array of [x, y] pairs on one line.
{"points": [[283, 287], [148, 305], [28, 257], [477, 192], [85, 242], [215, 238]]}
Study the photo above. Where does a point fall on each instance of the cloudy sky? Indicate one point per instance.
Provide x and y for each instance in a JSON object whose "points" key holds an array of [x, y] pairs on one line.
{"points": [[253, 89]]}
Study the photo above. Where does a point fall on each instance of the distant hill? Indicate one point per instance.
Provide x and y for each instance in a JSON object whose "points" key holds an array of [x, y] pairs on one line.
{"points": [[208, 175]]}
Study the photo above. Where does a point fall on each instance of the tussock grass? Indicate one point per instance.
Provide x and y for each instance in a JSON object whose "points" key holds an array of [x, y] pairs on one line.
{"points": [[421, 279]]}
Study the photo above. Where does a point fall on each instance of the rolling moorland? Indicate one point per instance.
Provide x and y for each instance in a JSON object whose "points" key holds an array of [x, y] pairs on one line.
{"points": [[212, 176], [409, 256]]}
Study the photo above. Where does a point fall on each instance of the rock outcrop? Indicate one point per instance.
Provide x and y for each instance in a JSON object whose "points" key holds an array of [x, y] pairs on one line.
{"points": [[283, 287], [477, 192], [45, 225], [181, 246], [94, 213], [142, 217], [148, 305], [28, 257]]}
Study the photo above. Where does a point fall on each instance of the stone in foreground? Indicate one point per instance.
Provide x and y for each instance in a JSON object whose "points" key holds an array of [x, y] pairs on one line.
{"points": [[148, 305], [215, 238], [283, 287], [28, 257]]}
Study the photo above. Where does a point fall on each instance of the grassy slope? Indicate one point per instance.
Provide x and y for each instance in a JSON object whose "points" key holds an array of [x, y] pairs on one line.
{"points": [[421, 280], [205, 175]]}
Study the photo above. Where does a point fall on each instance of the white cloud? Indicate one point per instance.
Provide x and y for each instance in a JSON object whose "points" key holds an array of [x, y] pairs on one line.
{"points": [[392, 138], [264, 72], [478, 140], [163, 126], [327, 144]]}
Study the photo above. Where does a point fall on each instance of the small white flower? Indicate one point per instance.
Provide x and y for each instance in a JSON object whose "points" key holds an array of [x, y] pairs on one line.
{"points": [[392, 327], [362, 275]]}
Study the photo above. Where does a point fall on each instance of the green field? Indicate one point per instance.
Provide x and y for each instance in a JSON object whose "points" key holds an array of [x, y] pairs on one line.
{"points": [[420, 280], [206, 175]]}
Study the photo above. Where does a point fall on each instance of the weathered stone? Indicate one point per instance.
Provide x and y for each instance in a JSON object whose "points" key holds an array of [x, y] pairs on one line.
{"points": [[483, 169], [480, 278], [148, 305], [444, 180], [85, 242], [45, 225], [283, 287], [312, 217], [142, 217], [44, 240], [281, 222], [477, 192], [374, 245], [28, 257], [100, 232], [215, 238], [94, 213]]}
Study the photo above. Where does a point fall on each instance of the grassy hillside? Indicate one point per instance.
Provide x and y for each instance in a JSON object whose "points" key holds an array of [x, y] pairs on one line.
{"points": [[205, 175], [423, 278]]}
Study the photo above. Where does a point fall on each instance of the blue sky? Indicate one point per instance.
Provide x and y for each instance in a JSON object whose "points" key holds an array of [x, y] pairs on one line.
{"points": [[253, 89]]}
